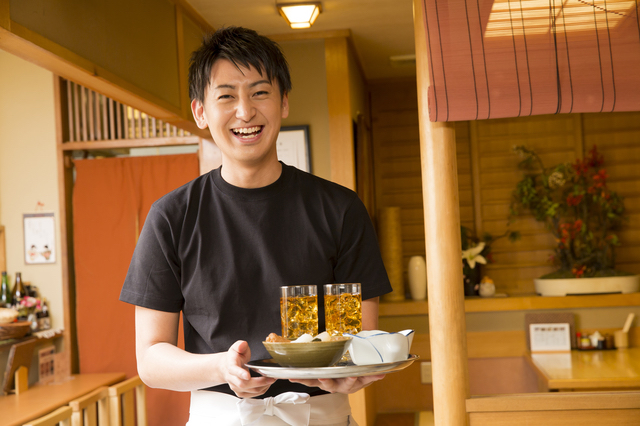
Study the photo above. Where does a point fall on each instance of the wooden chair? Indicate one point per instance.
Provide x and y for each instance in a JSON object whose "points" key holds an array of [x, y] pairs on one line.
{"points": [[127, 403], [61, 416], [91, 409]]}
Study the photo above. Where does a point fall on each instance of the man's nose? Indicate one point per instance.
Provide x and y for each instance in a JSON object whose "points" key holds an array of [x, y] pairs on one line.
{"points": [[245, 109]]}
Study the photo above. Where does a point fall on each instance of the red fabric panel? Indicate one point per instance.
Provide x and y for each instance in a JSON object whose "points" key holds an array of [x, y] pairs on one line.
{"points": [[108, 196], [527, 71]]}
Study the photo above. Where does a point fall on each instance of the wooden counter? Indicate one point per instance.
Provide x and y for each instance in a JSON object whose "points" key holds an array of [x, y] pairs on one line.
{"points": [[15, 410], [516, 303], [587, 370]]}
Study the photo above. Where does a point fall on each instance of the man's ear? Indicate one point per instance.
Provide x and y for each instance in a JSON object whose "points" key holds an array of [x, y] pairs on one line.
{"points": [[285, 105], [198, 114]]}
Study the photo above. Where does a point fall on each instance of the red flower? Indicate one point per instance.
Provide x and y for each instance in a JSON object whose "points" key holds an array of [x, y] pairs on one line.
{"points": [[574, 200], [595, 159], [599, 183], [578, 273], [600, 178], [577, 227], [565, 235], [580, 167]]}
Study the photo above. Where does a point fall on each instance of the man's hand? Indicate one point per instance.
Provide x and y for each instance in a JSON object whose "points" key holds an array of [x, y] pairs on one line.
{"points": [[346, 385], [238, 377]]}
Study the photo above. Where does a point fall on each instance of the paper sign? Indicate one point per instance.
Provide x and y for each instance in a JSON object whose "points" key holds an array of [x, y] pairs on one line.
{"points": [[550, 337], [46, 366]]}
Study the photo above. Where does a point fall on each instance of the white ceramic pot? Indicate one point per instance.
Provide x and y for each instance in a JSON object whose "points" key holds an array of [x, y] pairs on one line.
{"points": [[417, 272], [595, 285], [378, 347]]}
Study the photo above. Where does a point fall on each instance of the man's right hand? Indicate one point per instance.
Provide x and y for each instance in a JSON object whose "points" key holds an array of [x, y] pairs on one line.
{"points": [[237, 375]]}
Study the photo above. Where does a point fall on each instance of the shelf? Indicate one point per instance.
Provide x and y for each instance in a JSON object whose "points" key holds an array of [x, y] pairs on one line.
{"points": [[515, 303], [6, 344]]}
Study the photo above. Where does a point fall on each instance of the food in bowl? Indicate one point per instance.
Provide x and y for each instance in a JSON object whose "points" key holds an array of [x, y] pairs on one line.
{"points": [[8, 315], [307, 351]]}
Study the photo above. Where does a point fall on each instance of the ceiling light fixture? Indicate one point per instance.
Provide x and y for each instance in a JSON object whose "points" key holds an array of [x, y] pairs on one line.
{"points": [[300, 15]]}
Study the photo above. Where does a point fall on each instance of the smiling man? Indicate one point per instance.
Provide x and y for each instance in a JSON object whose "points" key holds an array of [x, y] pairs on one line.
{"points": [[219, 248]]}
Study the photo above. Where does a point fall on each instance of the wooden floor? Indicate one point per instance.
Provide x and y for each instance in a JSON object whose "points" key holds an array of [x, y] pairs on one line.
{"points": [[424, 418]]}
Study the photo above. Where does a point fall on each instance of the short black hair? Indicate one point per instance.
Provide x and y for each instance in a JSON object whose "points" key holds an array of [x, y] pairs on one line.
{"points": [[243, 47]]}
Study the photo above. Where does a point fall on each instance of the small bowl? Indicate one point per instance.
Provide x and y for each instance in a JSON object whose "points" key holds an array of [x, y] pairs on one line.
{"points": [[379, 347], [306, 355]]}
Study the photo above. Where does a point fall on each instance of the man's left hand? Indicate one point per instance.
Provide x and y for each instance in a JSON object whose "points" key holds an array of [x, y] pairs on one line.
{"points": [[346, 385]]}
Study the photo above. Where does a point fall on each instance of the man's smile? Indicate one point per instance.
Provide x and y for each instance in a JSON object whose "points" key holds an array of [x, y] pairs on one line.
{"points": [[247, 132]]}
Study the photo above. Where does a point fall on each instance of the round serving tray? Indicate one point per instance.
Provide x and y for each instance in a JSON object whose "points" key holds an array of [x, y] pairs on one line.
{"points": [[270, 368]]}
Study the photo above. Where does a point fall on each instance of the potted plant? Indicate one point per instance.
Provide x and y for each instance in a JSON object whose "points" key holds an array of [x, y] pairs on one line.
{"points": [[475, 253], [584, 216]]}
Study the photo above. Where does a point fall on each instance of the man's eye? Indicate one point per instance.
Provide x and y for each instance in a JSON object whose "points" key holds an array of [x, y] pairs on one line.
{"points": [[262, 93], [224, 97]]}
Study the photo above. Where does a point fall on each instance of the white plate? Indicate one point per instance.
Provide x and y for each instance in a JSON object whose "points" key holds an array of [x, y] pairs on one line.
{"points": [[270, 368]]}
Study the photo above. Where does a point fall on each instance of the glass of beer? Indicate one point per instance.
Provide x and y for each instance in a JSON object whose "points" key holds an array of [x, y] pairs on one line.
{"points": [[299, 310], [343, 308]]}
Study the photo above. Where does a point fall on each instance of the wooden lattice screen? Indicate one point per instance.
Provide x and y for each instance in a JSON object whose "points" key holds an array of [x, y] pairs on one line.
{"points": [[95, 117]]}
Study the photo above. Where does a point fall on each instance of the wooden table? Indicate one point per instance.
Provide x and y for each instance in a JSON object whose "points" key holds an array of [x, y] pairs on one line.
{"points": [[587, 370], [16, 410]]}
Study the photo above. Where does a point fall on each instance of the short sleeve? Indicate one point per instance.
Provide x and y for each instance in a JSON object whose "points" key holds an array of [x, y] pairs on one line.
{"points": [[359, 258], [153, 278]]}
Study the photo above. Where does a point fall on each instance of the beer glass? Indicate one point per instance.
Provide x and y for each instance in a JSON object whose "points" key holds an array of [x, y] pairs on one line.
{"points": [[343, 308], [299, 310]]}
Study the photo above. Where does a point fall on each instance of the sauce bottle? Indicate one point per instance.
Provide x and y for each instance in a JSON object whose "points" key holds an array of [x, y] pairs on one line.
{"points": [[5, 291], [19, 292]]}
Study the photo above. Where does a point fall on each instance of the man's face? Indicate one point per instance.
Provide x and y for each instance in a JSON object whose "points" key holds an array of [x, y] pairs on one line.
{"points": [[243, 111]]}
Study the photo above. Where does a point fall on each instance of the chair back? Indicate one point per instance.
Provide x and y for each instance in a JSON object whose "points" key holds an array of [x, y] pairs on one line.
{"points": [[62, 416], [127, 403], [91, 409]]}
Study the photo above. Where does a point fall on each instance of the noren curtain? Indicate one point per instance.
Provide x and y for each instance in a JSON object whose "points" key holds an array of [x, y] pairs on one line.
{"points": [[111, 199], [512, 58]]}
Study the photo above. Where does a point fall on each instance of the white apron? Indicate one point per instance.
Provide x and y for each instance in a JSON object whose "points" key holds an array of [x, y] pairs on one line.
{"points": [[287, 409]]}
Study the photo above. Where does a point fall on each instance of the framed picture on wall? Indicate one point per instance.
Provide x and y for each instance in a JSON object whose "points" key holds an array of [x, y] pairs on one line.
{"points": [[39, 238], [293, 147]]}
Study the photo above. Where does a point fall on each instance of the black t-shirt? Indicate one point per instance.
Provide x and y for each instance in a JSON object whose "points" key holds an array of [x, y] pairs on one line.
{"points": [[220, 253]]}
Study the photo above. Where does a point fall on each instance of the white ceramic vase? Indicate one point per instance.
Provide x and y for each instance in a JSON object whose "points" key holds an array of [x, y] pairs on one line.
{"points": [[417, 271]]}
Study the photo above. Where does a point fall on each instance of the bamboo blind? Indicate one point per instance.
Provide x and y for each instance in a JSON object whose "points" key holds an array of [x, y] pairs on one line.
{"points": [[487, 173], [95, 117]]}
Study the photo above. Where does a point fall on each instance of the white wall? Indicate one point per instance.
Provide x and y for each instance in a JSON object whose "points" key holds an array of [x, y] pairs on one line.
{"points": [[308, 104], [28, 171]]}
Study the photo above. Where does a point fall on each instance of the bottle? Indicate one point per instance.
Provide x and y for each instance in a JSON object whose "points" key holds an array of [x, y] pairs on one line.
{"points": [[19, 292], [44, 321], [5, 292]]}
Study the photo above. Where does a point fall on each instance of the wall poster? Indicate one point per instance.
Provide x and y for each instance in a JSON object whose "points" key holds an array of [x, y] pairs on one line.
{"points": [[39, 238], [293, 147]]}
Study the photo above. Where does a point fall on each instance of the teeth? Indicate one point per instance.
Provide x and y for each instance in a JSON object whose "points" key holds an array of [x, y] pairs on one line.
{"points": [[246, 130]]}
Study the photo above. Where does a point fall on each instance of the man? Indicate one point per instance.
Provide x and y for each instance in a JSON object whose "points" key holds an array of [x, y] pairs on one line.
{"points": [[219, 248]]}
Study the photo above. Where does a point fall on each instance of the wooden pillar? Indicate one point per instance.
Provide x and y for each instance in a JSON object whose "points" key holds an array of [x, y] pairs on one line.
{"points": [[340, 122], [65, 193], [442, 229]]}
